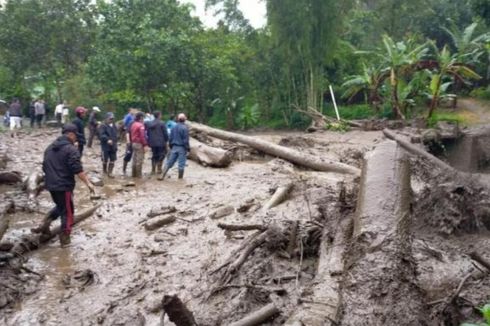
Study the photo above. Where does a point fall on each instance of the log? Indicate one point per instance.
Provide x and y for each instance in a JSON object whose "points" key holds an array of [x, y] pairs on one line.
{"points": [[279, 196], [243, 227], [379, 267], [323, 304], [479, 259], [4, 219], [177, 311], [302, 159], [156, 223], [9, 178], [417, 151], [34, 241], [258, 317], [209, 156], [161, 211]]}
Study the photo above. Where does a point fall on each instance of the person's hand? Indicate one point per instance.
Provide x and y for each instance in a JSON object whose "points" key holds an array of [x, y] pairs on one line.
{"points": [[146, 148], [76, 144], [109, 142]]}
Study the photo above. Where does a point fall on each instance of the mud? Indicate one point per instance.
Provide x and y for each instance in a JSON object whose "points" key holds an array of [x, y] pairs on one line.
{"points": [[117, 273]]}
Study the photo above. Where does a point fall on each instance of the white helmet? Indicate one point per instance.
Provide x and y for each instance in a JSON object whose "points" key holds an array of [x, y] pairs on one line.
{"points": [[96, 109]]}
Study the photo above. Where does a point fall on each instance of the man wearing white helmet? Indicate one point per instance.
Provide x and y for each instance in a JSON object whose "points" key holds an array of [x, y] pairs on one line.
{"points": [[92, 125], [179, 144]]}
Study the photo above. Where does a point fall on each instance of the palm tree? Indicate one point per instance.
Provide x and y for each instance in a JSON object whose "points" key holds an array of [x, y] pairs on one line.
{"points": [[448, 65]]}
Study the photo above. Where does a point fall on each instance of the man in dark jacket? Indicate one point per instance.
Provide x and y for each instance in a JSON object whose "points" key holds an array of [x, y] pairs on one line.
{"points": [[80, 114], [157, 140], [92, 125], [179, 144], [108, 142], [60, 165]]}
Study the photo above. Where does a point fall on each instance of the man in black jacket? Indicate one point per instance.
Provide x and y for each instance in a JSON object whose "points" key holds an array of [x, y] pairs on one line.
{"points": [[60, 165], [157, 140], [80, 124], [108, 142]]}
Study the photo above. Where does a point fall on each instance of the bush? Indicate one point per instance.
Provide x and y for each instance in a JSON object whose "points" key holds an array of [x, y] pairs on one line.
{"points": [[481, 93]]}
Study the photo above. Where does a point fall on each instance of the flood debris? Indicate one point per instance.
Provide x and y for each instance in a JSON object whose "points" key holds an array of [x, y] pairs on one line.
{"points": [[177, 312], [158, 222], [222, 212], [289, 154], [258, 317], [10, 177], [279, 196], [209, 156]]}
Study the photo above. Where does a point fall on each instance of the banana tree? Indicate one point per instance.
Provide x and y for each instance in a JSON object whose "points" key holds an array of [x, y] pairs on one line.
{"points": [[449, 66], [368, 83], [400, 58]]}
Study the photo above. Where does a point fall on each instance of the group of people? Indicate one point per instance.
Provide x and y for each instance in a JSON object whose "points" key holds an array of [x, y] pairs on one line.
{"points": [[62, 158], [38, 112]]}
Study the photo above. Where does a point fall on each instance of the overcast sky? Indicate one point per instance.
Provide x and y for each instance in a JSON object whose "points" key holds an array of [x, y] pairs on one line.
{"points": [[253, 10]]}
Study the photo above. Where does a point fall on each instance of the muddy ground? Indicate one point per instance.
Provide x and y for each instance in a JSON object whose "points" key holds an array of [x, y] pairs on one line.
{"points": [[116, 272]]}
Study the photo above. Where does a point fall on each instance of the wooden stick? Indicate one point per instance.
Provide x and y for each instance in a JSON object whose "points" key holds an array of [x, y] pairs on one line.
{"points": [[156, 223], [243, 227], [258, 317]]}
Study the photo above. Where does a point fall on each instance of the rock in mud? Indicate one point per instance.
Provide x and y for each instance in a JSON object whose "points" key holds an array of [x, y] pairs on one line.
{"points": [[222, 212], [96, 181]]}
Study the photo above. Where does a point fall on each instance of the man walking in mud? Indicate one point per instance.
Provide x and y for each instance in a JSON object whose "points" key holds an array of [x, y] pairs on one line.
{"points": [[179, 144], [138, 144], [60, 165], [92, 125], [80, 124], [108, 142], [15, 116], [157, 139]]}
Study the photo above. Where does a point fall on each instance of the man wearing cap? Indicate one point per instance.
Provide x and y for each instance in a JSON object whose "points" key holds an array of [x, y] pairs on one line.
{"points": [[108, 142], [179, 144], [137, 135], [92, 125], [60, 165], [80, 114]]}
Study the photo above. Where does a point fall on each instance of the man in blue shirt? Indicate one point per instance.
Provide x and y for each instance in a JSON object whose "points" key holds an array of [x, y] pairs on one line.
{"points": [[179, 144]]}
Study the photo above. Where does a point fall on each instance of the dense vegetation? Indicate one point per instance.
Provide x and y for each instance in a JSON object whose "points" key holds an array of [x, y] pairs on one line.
{"points": [[389, 58]]}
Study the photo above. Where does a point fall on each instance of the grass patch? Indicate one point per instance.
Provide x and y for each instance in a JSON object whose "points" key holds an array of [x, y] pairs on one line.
{"points": [[351, 112], [459, 118]]}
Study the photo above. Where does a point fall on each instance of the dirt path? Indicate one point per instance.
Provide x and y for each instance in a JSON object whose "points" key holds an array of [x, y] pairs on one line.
{"points": [[476, 112]]}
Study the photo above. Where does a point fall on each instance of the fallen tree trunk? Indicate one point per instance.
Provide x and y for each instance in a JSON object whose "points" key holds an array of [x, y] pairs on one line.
{"points": [[272, 149], [4, 219], [34, 241], [258, 317], [279, 196], [417, 151], [379, 286], [209, 156], [322, 305]]}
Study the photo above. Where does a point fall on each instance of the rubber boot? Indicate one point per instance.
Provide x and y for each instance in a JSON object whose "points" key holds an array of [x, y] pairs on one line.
{"points": [[153, 167], [65, 239], [44, 226], [164, 173], [125, 165], [181, 174], [110, 168], [159, 167], [104, 167]]}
